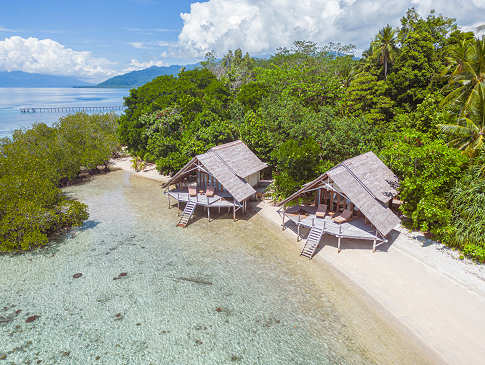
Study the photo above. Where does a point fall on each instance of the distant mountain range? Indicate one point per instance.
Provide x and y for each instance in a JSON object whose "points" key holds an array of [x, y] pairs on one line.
{"points": [[25, 79], [128, 80], [141, 77]]}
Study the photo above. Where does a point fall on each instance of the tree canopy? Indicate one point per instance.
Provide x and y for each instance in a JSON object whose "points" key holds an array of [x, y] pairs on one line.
{"points": [[35, 163], [310, 106]]}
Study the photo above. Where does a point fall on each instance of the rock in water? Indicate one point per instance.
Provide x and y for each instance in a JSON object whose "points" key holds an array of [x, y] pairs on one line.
{"points": [[77, 276], [31, 318]]}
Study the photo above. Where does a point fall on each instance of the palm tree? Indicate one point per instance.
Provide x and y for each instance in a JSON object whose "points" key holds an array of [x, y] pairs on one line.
{"points": [[469, 132], [467, 60], [384, 47]]}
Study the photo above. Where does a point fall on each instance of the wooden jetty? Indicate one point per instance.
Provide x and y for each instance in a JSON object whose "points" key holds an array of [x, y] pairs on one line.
{"points": [[71, 109]]}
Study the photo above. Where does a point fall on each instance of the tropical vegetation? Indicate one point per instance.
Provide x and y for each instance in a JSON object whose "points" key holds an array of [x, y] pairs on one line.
{"points": [[415, 97], [35, 163]]}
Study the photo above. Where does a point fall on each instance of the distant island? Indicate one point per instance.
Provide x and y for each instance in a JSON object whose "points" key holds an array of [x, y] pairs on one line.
{"points": [[128, 80], [141, 77], [25, 79]]}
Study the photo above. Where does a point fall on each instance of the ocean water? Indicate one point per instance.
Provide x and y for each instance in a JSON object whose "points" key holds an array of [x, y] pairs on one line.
{"points": [[222, 292], [11, 99]]}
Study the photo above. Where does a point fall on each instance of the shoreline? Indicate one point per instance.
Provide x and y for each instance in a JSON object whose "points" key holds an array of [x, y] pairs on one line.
{"points": [[430, 294], [149, 172], [433, 300]]}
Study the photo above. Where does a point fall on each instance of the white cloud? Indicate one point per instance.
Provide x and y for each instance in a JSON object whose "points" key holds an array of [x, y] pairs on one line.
{"points": [[477, 28], [261, 26], [50, 57], [140, 65], [137, 45], [151, 45]]}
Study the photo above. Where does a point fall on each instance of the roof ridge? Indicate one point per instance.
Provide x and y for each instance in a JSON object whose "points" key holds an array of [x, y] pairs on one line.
{"points": [[225, 145], [359, 180], [226, 164]]}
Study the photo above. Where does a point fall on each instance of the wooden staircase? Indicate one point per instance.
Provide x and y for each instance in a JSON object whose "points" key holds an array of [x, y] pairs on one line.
{"points": [[187, 213], [312, 241]]}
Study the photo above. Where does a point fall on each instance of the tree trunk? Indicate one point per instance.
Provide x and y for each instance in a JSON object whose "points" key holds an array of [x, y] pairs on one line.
{"points": [[385, 69]]}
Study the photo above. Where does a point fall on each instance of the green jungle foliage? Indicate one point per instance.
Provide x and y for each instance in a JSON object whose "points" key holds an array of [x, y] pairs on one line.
{"points": [[415, 97], [34, 164]]}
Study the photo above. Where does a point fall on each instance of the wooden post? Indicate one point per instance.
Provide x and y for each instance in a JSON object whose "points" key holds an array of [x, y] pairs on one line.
{"points": [[331, 200], [339, 238], [234, 212], [209, 213], [319, 196], [374, 246], [168, 198], [283, 224], [298, 234]]}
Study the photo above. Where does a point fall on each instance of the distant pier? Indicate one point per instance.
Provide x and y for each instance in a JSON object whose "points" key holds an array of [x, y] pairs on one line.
{"points": [[71, 109]]}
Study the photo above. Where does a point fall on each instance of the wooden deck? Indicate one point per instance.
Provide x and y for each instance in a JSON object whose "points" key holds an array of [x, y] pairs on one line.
{"points": [[218, 200], [356, 228]]}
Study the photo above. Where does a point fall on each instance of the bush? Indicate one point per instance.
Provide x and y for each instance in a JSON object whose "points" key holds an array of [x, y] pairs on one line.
{"points": [[34, 163], [298, 163], [467, 200], [427, 170]]}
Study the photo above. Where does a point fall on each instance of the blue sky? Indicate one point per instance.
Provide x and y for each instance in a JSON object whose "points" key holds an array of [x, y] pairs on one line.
{"points": [[94, 40], [104, 27]]}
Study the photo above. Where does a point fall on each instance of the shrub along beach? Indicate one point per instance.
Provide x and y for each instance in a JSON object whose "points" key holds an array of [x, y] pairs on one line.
{"points": [[35, 163]]}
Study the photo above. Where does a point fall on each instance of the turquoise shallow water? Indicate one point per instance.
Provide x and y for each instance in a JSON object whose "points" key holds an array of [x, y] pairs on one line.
{"points": [[214, 293], [11, 99]]}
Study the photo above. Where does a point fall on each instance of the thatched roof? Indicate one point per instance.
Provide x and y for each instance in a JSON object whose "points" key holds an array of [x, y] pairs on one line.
{"points": [[239, 158], [368, 183], [373, 173], [229, 163], [364, 182]]}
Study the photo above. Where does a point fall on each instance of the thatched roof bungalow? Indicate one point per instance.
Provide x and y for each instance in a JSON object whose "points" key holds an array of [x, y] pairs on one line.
{"points": [[351, 200], [223, 177]]}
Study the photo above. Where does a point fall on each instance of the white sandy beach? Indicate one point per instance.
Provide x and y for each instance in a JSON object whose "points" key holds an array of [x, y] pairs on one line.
{"points": [[421, 284], [439, 298], [150, 172]]}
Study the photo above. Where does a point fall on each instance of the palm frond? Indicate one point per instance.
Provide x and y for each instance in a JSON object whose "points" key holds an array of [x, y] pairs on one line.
{"points": [[454, 129], [453, 97]]}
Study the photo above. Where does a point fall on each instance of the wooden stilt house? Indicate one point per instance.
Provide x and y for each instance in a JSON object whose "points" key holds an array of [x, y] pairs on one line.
{"points": [[351, 200], [223, 178]]}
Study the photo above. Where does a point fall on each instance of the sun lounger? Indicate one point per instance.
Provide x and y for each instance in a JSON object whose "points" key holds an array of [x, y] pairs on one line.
{"points": [[345, 216], [192, 190], [209, 192], [321, 211]]}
